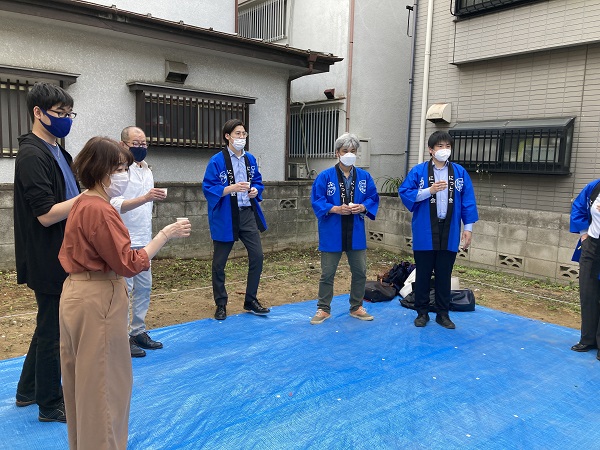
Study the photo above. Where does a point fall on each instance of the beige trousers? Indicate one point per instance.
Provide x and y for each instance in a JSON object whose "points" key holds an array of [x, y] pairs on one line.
{"points": [[95, 360]]}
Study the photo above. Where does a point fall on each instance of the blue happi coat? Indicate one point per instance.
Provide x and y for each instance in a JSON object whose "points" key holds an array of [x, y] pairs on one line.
{"points": [[326, 194], [465, 208], [580, 214], [219, 206]]}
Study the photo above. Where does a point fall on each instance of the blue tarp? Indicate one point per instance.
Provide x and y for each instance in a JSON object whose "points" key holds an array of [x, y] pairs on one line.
{"points": [[498, 381]]}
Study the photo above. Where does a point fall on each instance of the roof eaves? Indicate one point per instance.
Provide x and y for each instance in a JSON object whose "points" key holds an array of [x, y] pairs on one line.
{"points": [[114, 19]]}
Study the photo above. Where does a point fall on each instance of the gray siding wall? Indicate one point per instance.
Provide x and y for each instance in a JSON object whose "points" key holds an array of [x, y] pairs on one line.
{"points": [[521, 71]]}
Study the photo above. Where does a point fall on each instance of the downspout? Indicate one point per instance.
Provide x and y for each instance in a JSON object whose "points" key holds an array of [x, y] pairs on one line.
{"points": [[237, 13], [312, 57], [421, 141], [410, 84], [350, 52]]}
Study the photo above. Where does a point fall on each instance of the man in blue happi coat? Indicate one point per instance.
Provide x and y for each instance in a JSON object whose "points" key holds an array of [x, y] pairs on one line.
{"points": [[440, 195], [341, 198], [585, 220], [233, 189]]}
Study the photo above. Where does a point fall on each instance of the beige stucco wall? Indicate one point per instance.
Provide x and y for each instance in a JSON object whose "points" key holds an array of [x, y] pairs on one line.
{"points": [[104, 104]]}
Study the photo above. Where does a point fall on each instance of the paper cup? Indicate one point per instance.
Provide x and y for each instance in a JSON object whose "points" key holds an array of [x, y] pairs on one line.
{"points": [[164, 190], [181, 219]]}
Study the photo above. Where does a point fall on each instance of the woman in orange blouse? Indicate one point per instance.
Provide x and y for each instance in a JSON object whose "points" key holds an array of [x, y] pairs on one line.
{"points": [[96, 253]]}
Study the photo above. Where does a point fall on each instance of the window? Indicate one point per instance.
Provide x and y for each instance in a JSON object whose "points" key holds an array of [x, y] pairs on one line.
{"points": [[14, 119], [263, 20], [185, 118], [15, 83], [515, 146], [313, 131], [463, 8]]}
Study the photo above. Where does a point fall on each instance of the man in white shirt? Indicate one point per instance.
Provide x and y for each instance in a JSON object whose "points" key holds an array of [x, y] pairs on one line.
{"points": [[135, 207]]}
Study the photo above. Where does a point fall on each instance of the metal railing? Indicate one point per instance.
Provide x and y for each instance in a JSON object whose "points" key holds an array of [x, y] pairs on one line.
{"points": [[178, 121], [545, 150], [314, 131], [473, 7], [266, 21]]}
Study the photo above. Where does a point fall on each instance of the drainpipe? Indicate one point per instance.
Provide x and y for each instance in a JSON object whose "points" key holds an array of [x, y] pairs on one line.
{"points": [[236, 16], [350, 52], [410, 84], [421, 141], [312, 57]]}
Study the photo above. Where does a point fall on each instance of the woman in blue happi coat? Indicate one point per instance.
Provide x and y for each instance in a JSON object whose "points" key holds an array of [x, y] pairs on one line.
{"points": [[440, 195], [342, 196], [585, 220]]}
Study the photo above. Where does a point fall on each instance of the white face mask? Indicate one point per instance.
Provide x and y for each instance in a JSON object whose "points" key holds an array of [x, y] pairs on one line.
{"points": [[118, 184], [348, 159], [239, 144], [442, 155]]}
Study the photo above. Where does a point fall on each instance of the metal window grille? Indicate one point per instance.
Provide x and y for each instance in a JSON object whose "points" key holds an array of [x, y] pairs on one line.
{"points": [[515, 147], [180, 121], [474, 7], [14, 118], [313, 131], [265, 21]]}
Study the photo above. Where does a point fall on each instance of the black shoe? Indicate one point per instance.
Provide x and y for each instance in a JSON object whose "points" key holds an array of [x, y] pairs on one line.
{"points": [[579, 347], [256, 308], [221, 312], [445, 321], [144, 341], [53, 415], [421, 320], [24, 400], [136, 352]]}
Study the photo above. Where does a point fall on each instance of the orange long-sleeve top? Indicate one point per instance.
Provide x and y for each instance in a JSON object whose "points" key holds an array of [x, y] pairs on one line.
{"points": [[97, 240]]}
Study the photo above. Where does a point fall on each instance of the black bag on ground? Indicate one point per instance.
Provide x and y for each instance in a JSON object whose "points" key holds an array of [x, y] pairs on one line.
{"points": [[460, 300], [378, 291], [398, 274]]}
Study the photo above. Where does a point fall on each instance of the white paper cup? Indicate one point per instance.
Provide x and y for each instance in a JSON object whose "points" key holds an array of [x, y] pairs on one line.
{"points": [[181, 219], [164, 190]]}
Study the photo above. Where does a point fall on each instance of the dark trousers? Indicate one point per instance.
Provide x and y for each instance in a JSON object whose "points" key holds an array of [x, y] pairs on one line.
{"points": [[589, 291], [427, 261], [250, 237], [40, 376]]}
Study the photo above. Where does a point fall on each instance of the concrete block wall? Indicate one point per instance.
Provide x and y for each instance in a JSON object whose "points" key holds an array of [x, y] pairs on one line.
{"points": [[286, 205], [523, 242]]}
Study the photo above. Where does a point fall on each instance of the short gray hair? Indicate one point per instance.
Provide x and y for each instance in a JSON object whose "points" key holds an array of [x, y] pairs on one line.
{"points": [[347, 140]]}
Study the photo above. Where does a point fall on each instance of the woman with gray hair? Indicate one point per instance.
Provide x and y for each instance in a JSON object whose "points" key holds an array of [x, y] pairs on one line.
{"points": [[341, 198]]}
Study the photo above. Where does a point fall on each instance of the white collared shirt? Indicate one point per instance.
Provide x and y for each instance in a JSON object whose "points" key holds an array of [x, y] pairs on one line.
{"points": [[138, 220]]}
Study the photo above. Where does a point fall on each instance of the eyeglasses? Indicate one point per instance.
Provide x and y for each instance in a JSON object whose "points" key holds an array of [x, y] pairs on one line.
{"points": [[62, 114], [142, 144], [240, 134]]}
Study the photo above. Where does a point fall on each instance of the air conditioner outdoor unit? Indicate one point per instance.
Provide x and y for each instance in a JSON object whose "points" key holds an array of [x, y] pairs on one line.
{"points": [[297, 171]]}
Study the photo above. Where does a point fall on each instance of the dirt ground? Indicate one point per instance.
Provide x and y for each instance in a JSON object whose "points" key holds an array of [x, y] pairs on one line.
{"points": [[182, 292]]}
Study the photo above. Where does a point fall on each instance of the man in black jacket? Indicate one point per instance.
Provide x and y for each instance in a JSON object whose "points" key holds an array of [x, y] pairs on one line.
{"points": [[44, 192]]}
